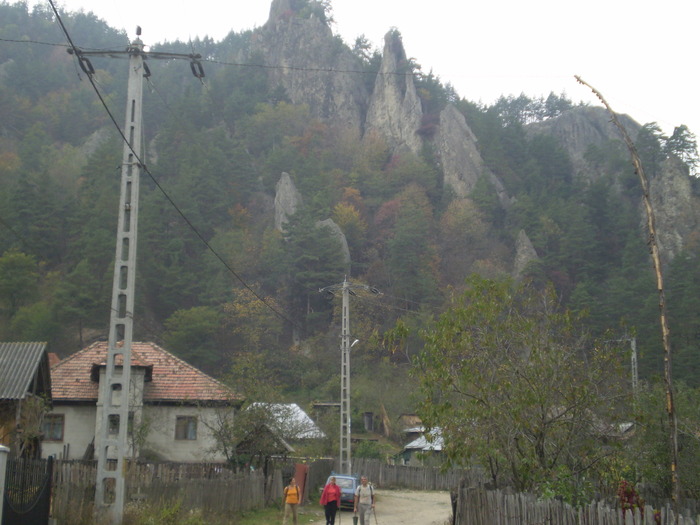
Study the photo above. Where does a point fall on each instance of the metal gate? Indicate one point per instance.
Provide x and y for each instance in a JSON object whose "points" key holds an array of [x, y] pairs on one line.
{"points": [[27, 491]]}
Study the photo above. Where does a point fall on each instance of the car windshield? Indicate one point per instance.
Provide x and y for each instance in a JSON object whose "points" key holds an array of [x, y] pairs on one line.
{"points": [[344, 483]]}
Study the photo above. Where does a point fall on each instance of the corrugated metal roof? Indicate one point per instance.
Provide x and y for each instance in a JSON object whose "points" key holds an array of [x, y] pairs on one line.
{"points": [[19, 364], [292, 421], [425, 443]]}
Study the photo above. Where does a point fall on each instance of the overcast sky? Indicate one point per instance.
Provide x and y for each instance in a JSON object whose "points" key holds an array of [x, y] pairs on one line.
{"points": [[642, 56]]}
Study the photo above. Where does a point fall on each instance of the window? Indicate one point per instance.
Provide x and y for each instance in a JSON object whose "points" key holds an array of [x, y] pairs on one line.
{"points": [[186, 427], [52, 427]]}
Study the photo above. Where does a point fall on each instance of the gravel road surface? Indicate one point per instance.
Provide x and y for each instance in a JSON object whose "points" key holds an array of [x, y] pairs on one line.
{"points": [[399, 507]]}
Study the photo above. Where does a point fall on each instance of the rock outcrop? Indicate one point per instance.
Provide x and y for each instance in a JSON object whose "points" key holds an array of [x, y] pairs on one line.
{"points": [[287, 200], [676, 208], [579, 128], [524, 254], [313, 66], [316, 68], [340, 236], [674, 204], [456, 150], [395, 110]]}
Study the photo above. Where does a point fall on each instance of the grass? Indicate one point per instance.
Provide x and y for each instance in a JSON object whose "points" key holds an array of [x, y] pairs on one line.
{"points": [[273, 516], [175, 514]]}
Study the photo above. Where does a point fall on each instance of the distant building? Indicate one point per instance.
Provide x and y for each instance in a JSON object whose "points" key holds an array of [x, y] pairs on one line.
{"points": [[425, 450], [174, 407], [290, 422]]}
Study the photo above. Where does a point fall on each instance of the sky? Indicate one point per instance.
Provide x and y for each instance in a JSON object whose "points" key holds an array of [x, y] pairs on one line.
{"points": [[642, 56]]}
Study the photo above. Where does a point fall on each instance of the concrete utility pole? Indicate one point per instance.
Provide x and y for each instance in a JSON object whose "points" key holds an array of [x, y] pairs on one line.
{"points": [[345, 459], [111, 444]]}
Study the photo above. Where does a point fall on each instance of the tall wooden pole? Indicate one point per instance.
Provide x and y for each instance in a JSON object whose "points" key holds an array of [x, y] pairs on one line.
{"points": [[665, 332]]}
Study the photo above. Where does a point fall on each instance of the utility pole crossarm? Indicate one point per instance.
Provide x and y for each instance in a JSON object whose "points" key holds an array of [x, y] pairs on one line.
{"points": [[136, 48]]}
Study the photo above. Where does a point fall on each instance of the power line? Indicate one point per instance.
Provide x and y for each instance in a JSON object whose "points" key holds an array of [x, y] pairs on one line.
{"points": [[86, 66], [165, 54]]}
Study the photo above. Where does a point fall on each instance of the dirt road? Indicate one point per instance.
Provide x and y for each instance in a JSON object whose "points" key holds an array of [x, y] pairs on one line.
{"points": [[402, 507]]}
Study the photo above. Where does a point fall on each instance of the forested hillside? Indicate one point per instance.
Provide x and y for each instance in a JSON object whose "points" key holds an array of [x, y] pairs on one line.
{"points": [[210, 249]]}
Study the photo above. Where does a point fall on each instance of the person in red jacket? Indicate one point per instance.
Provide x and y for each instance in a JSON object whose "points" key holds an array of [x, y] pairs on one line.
{"points": [[330, 499]]}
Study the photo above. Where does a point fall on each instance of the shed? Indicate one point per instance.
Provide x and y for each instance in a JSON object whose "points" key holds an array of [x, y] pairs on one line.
{"points": [[25, 393]]}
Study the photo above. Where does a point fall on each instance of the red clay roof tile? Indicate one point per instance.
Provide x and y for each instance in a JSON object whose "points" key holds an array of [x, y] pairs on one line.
{"points": [[172, 379]]}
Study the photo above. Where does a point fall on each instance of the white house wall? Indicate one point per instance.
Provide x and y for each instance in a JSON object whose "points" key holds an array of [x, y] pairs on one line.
{"points": [[160, 442], [78, 432], [161, 436]]}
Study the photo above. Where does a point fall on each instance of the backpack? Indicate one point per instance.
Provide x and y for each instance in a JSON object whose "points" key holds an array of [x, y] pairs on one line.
{"points": [[371, 490], [286, 490]]}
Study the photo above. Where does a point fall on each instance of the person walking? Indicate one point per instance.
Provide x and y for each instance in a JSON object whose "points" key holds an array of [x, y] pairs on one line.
{"points": [[291, 501], [364, 501], [330, 499]]}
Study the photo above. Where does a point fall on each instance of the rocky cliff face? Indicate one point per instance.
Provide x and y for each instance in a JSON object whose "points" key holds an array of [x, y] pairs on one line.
{"points": [[313, 63], [320, 71], [456, 150], [395, 111], [287, 200], [675, 206], [581, 127]]}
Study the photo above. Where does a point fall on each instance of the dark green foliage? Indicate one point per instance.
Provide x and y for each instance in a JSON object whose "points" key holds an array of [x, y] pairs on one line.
{"points": [[554, 170], [193, 336], [683, 144], [525, 110], [683, 296], [648, 449], [217, 150], [411, 252], [19, 280], [370, 60], [313, 260], [650, 145]]}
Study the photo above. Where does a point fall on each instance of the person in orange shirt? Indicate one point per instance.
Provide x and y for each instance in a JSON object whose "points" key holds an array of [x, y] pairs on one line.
{"points": [[330, 499], [291, 501]]}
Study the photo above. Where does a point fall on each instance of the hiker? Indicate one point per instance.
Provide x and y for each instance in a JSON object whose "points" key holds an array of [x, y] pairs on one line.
{"points": [[364, 501], [330, 499], [291, 501]]}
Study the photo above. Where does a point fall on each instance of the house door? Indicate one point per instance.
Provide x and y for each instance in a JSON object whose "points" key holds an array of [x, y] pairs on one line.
{"points": [[27, 498]]}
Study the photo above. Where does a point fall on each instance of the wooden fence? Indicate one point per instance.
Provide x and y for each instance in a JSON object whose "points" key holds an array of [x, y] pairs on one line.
{"points": [[217, 490], [478, 506], [419, 478], [210, 487]]}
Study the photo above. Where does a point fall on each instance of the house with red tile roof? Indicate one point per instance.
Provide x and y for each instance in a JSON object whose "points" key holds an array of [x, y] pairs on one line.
{"points": [[174, 407]]}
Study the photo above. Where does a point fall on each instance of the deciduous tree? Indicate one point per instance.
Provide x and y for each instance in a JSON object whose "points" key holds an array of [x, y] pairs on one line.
{"points": [[515, 387]]}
